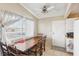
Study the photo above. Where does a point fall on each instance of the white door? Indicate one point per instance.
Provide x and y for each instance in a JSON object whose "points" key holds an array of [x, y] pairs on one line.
{"points": [[58, 33]]}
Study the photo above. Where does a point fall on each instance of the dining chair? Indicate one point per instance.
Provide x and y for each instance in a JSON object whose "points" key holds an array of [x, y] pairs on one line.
{"points": [[4, 49], [13, 51], [43, 40], [37, 49], [7, 51]]}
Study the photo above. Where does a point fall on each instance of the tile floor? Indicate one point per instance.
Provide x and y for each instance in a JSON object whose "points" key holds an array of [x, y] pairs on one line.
{"points": [[52, 52]]}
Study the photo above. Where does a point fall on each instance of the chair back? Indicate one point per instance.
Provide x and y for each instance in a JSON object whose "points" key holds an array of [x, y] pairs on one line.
{"points": [[4, 48]]}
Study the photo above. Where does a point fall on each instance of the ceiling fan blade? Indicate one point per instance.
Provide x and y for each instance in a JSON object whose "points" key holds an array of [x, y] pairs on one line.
{"points": [[38, 9], [50, 8]]}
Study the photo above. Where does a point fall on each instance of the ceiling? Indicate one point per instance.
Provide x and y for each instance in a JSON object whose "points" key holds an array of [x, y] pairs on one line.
{"points": [[36, 9]]}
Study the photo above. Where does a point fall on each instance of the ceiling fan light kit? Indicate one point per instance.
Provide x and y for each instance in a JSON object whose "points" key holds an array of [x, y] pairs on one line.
{"points": [[44, 10], [47, 8]]}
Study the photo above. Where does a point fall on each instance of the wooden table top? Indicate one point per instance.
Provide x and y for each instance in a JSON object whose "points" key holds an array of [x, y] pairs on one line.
{"points": [[35, 42]]}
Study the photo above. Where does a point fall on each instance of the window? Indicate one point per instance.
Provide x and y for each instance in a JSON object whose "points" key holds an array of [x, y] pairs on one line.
{"points": [[16, 27], [28, 28]]}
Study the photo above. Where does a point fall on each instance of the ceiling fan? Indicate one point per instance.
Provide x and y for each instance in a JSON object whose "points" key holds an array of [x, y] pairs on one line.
{"points": [[46, 8]]}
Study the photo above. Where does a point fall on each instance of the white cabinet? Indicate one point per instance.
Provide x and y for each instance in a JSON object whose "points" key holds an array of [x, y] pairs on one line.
{"points": [[69, 29], [76, 38], [69, 25]]}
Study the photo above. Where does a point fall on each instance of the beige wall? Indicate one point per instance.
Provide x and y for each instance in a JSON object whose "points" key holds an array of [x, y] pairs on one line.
{"points": [[45, 25]]}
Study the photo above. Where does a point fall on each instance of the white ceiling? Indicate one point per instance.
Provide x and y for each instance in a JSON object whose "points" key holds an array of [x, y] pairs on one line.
{"points": [[35, 8]]}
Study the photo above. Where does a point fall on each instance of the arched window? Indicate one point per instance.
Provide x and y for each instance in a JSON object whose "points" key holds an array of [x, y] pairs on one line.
{"points": [[15, 27]]}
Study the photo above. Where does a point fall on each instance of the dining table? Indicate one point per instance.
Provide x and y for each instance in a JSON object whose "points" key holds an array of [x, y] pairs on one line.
{"points": [[25, 45]]}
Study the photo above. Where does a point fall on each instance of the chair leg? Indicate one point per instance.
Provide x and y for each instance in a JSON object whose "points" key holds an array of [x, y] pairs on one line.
{"points": [[3, 54], [35, 53], [28, 53], [41, 49], [44, 47]]}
